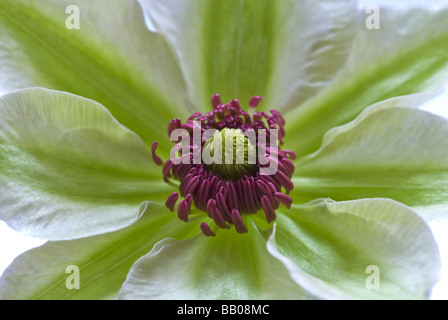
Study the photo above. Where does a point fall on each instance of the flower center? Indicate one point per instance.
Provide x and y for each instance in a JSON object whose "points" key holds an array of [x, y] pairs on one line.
{"points": [[232, 154], [241, 169]]}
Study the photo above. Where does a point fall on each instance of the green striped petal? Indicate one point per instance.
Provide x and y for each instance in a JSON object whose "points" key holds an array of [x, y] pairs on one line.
{"points": [[408, 54], [112, 58], [228, 266], [362, 249], [89, 268], [284, 50], [392, 150], [68, 169]]}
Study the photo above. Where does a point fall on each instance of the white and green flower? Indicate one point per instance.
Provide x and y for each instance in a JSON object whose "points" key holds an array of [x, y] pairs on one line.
{"points": [[82, 108]]}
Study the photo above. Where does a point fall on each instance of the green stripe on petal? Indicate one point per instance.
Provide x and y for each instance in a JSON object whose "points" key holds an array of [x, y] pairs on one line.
{"points": [[392, 150], [68, 169], [284, 50], [362, 249], [408, 54], [112, 58], [228, 266], [103, 261]]}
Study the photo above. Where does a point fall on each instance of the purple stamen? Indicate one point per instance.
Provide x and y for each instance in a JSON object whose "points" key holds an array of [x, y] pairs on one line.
{"points": [[166, 170], [272, 191], [236, 104], [222, 205], [217, 217], [291, 155], [191, 185], [268, 209], [216, 101], [183, 210], [283, 198], [284, 181], [289, 165], [189, 199], [278, 116], [171, 201], [237, 220], [174, 124], [155, 157], [254, 101], [225, 200], [205, 228]]}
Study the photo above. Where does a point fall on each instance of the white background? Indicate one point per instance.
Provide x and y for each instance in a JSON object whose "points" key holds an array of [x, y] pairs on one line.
{"points": [[13, 243]]}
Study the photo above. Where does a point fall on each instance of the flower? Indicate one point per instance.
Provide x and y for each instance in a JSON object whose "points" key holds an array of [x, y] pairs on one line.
{"points": [[84, 106]]}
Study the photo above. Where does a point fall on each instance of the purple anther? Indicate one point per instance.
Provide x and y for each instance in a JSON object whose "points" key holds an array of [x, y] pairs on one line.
{"points": [[188, 126], [238, 222], [222, 206], [261, 185], [202, 195], [272, 190], [174, 124], [166, 170], [236, 104], [287, 163], [268, 209], [278, 116], [189, 199], [254, 101], [291, 154], [155, 157], [251, 202], [205, 228], [171, 201], [284, 181], [217, 217], [210, 204], [183, 210], [194, 115], [191, 185], [216, 100], [283, 198]]}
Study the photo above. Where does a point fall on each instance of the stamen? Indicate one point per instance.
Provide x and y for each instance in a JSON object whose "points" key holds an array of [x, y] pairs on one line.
{"points": [[166, 170], [155, 157], [283, 198], [217, 217], [289, 165], [272, 190], [192, 184], [183, 210], [240, 227], [227, 189], [222, 205], [235, 103], [205, 228], [216, 101], [291, 155], [189, 199], [254, 101], [268, 209], [171, 201], [284, 181], [278, 116], [174, 124]]}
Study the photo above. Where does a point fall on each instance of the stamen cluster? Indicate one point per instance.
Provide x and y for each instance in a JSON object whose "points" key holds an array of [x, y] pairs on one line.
{"points": [[223, 199]]}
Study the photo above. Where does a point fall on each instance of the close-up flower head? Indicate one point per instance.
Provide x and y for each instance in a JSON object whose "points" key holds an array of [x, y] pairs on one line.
{"points": [[222, 149]]}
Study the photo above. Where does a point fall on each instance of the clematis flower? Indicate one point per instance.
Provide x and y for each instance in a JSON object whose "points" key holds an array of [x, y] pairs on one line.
{"points": [[364, 171]]}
